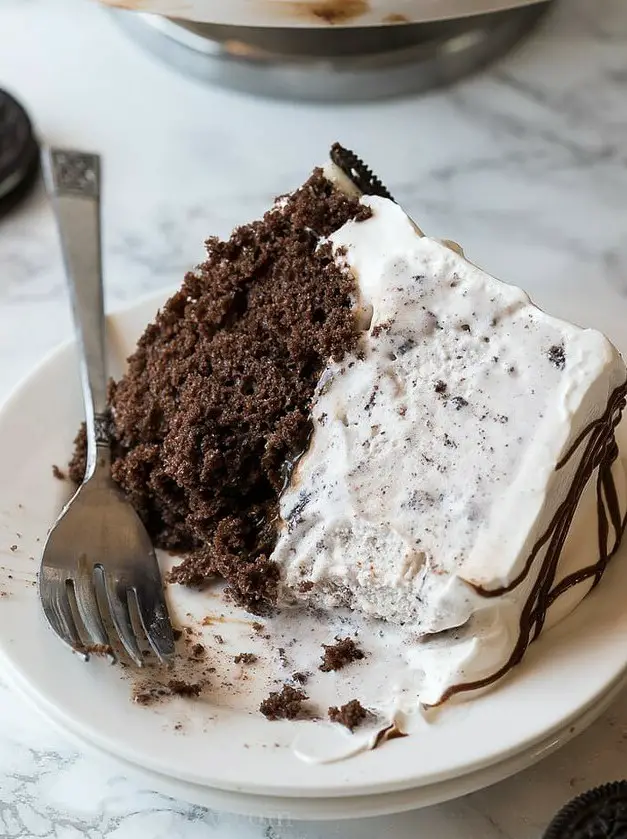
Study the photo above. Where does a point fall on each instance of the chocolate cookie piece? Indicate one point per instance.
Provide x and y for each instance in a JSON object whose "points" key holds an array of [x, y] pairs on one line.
{"points": [[600, 813], [19, 152]]}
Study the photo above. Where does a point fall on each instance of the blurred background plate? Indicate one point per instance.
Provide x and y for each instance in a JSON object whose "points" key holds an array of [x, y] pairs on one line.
{"points": [[304, 13], [331, 50]]}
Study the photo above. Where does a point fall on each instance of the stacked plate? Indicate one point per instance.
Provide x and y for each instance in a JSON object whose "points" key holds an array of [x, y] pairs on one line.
{"points": [[222, 753]]}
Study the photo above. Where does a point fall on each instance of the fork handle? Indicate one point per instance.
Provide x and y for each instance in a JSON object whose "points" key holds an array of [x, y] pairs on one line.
{"points": [[73, 183]]}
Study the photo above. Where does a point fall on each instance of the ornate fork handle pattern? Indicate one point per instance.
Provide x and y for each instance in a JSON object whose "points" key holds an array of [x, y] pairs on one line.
{"points": [[75, 172]]}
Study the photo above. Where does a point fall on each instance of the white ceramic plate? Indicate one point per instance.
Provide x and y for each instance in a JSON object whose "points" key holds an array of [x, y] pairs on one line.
{"points": [[563, 682]]}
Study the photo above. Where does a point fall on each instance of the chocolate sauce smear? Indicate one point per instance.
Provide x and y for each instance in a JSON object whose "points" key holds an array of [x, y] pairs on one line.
{"points": [[600, 453]]}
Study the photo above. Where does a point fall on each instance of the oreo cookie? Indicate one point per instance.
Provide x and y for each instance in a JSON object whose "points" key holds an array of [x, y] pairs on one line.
{"points": [[19, 152], [356, 170], [600, 813]]}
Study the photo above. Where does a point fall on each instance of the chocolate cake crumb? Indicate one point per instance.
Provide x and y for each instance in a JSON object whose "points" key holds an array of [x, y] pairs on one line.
{"points": [[245, 658], [216, 398], [440, 386], [178, 687], [149, 694], [305, 586], [557, 356], [350, 715], [338, 655], [257, 627], [283, 705], [198, 651], [59, 474]]}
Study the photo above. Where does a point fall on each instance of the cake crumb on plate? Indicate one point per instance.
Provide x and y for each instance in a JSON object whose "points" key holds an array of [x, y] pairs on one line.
{"points": [[350, 715], [283, 705], [338, 655]]}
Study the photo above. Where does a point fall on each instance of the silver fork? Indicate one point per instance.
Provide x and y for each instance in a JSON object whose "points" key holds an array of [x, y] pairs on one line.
{"points": [[98, 557]]}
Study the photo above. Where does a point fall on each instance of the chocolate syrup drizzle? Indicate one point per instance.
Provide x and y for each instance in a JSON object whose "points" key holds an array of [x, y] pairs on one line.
{"points": [[600, 453]]}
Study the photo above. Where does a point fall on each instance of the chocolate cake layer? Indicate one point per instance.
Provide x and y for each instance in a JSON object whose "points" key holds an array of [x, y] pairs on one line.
{"points": [[214, 407]]}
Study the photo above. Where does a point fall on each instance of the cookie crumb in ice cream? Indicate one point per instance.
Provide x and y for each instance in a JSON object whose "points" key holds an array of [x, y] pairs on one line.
{"points": [[338, 655], [350, 715], [557, 356], [283, 705], [300, 677], [59, 474]]}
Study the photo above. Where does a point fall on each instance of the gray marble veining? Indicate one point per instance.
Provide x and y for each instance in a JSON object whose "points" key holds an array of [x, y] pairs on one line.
{"points": [[525, 165]]}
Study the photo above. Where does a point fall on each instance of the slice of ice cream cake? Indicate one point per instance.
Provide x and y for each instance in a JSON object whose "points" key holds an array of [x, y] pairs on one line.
{"points": [[463, 475]]}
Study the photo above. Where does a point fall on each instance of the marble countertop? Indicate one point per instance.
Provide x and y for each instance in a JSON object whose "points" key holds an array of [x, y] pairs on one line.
{"points": [[526, 165]]}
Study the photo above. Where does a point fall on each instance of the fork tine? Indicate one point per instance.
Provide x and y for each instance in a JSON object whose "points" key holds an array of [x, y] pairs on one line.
{"points": [[56, 607], [155, 620], [88, 608], [117, 599]]}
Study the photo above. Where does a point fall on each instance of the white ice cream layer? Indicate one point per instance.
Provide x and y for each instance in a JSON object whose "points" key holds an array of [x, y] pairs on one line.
{"points": [[433, 460]]}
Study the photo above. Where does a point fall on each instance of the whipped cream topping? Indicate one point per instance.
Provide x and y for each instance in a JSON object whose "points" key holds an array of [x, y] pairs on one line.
{"points": [[431, 473]]}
